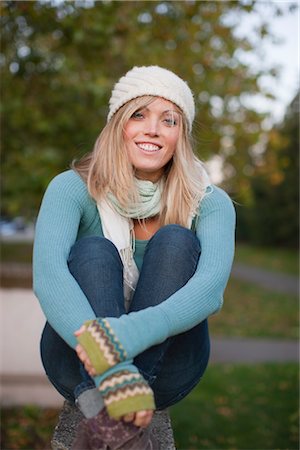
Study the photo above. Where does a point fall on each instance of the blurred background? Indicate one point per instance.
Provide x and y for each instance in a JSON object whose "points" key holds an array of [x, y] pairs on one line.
{"points": [[59, 61]]}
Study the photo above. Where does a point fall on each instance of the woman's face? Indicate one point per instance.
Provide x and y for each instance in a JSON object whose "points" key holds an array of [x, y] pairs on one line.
{"points": [[150, 136]]}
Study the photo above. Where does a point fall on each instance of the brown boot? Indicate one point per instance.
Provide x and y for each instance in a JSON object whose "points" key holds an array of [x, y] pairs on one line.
{"points": [[144, 440], [83, 439], [104, 433]]}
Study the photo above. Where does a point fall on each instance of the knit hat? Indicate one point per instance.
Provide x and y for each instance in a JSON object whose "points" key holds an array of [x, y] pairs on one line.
{"points": [[152, 80]]}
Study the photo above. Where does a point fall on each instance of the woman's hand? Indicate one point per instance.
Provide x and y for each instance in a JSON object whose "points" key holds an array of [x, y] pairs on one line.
{"points": [[139, 418], [82, 355]]}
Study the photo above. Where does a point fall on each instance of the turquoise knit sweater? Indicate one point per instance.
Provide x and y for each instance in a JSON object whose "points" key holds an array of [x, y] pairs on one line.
{"points": [[68, 213]]}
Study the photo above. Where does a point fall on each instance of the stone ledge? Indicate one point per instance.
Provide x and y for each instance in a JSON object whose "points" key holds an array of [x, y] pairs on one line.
{"points": [[70, 416]]}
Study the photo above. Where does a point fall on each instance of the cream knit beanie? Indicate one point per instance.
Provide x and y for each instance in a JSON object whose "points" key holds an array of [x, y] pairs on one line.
{"points": [[152, 80]]}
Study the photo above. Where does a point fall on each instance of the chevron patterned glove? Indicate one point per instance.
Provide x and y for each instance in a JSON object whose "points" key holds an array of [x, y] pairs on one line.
{"points": [[125, 392], [101, 345]]}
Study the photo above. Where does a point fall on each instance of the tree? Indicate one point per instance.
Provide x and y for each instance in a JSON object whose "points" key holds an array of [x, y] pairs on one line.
{"points": [[59, 61], [273, 216]]}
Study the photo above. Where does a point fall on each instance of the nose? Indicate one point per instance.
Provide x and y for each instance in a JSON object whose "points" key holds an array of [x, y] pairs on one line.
{"points": [[151, 127]]}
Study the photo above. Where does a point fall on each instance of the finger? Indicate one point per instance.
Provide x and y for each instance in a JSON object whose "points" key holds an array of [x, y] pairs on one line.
{"points": [[83, 358], [78, 349], [88, 366], [142, 422], [88, 363], [129, 417], [80, 331], [143, 418], [91, 371], [81, 353]]}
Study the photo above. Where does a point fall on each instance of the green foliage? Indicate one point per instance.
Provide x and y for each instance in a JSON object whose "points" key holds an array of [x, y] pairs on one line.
{"points": [[273, 216], [233, 407], [29, 427], [275, 259], [251, 311], [269, 314], [240, 407], [16, 252], [59, 61]]}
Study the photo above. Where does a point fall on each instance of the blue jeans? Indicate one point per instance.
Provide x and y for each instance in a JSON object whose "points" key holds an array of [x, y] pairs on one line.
{"points": [[172, 368]]}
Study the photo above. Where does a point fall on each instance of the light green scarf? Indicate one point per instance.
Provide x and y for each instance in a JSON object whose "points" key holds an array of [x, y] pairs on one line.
{"points": [[150, 201]]}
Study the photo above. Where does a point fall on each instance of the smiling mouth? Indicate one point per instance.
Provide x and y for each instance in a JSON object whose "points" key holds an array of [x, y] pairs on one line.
{"points": [[147, 147]]}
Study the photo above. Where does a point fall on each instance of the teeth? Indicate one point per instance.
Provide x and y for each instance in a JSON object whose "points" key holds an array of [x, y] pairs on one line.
{"points": [[149, 147]]}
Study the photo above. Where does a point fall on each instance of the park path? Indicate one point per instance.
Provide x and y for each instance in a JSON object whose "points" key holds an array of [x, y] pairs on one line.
{"points": [[21, 322], [274, 281]]}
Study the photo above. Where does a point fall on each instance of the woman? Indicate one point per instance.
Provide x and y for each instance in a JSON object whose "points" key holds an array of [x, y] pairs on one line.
{"points": [[132, 254]]}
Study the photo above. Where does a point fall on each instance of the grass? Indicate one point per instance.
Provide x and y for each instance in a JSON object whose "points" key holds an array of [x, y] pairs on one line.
{"points": [[20, 252], [240, 407], [29, 427], [248, 311], [269, 258], [234, 407], [251, 311], [13, 253]]}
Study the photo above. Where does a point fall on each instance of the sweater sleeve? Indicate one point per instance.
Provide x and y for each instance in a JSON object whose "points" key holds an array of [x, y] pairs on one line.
{"points": [[63, 302], [201, 296]]}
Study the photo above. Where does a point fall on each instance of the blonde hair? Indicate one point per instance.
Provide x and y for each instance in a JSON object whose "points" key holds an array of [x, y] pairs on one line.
{"points": [[108, 169]]}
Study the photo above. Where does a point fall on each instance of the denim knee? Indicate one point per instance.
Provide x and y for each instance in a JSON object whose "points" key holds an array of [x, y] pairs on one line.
{"points": [[96, 265], [91, 247], [60, 363], [177, 241], [176, 234]]}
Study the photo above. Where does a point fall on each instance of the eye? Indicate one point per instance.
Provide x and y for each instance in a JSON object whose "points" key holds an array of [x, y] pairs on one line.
{"points": [[137, 115], [171, 118], [170, 121]]}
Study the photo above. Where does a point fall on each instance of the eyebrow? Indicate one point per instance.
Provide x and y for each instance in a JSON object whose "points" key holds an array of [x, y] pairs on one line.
{"points": [[164, 112], [171, 111]]}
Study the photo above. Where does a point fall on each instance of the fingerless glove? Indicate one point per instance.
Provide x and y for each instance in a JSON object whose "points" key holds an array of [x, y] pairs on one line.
{"points": [[101, 345], [123, 391], [126, 391]]}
